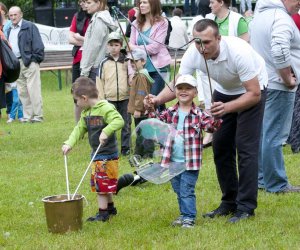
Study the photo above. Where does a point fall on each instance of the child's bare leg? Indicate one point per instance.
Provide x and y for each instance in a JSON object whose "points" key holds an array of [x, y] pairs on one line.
{"points": [[102, 201], [110, 198], [103, 214]]}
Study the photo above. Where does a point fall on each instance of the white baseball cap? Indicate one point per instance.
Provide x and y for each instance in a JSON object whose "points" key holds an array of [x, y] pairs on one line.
{"points": [[137, 54], [188, 79]]}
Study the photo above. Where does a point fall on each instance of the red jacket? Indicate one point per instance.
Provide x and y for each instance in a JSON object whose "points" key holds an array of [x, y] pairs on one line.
{"points": [[296, 18], [2, 36]]}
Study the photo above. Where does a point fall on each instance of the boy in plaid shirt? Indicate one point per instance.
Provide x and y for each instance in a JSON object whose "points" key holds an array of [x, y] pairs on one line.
{"points": [[189, 121]]}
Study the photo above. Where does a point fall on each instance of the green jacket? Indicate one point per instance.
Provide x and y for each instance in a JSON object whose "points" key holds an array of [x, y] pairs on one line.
{"points": [[102, 117]]}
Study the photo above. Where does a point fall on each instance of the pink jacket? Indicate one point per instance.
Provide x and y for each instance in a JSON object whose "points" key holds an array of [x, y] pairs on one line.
{"points": [[160, 55]]}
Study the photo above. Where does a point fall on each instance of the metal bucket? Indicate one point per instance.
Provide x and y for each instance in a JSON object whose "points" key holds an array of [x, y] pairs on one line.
{"points": [[63, 215]]}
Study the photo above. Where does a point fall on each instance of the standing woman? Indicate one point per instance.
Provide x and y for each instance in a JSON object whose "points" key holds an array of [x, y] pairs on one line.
{"points": [[230, 23], [79, 25], [2, 84], [95, 40], [5, 24], [151, 24]]}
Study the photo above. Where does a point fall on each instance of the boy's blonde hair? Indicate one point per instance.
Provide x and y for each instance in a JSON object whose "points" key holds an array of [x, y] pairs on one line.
{"points": [[84, 86]]}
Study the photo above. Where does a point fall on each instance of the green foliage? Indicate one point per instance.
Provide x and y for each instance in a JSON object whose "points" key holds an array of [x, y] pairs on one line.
{"points": [[32, 167], [25, 5]]}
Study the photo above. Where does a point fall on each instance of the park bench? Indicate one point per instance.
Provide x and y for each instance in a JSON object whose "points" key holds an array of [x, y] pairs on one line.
{"points": [[56, 62]]}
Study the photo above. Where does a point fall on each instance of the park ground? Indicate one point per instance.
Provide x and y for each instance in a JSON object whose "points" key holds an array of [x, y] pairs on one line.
{"points": [[32, 167]]}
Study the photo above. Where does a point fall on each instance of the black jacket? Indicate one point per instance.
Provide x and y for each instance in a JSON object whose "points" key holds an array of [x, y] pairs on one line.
{"points": [[30, 43]]}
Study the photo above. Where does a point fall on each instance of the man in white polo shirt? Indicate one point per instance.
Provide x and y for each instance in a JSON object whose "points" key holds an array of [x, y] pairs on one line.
{"points": [[239, 99]]}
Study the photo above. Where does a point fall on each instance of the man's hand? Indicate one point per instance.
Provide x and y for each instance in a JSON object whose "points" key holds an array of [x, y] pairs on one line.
{"points": [[288, 77], [103, 138], [66, 149], [292, 83], [150, 101], [218, 109]]}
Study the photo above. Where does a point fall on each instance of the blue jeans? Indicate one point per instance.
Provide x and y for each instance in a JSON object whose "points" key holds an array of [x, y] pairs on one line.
{"points": [[187, 7], [243, 5], [184, 186], [16, 106], [276, 127]]}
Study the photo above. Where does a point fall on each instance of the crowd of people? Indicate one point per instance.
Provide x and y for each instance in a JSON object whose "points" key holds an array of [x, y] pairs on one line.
{"points": [[247, 77]]}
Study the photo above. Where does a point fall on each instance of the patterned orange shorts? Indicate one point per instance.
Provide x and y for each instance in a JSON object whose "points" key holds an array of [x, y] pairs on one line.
{"points": [[104, 176]]}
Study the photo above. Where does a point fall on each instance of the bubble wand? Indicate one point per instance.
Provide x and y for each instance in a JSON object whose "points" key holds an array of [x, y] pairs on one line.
{"points": [[92, 160], [199, 41]]}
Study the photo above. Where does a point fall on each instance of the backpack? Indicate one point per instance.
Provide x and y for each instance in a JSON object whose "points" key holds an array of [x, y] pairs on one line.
{"points": [[10, 63]]}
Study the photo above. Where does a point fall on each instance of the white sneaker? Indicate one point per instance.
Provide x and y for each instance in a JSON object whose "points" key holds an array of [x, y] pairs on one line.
{"points": [[10, 120], [23, 120], [35, 119]]}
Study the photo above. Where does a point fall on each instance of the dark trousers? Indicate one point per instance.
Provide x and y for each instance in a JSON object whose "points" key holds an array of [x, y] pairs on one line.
{"points": [[121, 106], [6, 101], [75, 71], [157, 87], [94, 73], [9, 101], [143, 147], [189, 10], [239, 136]]}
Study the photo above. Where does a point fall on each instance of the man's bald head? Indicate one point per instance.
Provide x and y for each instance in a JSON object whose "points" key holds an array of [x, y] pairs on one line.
{"points": [[15, 15]]}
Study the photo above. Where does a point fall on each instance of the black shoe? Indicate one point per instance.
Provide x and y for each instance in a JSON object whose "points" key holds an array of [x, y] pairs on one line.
{"points": [[112, 210], [240, 215], [138, 180], [220, 211], [100, 216], [289, 189], [124, 181], [125, 152], [147, 155], [207, 145]]}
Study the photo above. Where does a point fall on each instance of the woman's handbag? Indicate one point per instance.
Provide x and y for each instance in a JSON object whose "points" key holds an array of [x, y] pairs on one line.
{"points": [[10, 63]]}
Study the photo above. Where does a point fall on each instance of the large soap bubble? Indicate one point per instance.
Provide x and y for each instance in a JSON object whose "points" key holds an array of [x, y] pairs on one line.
{"points": [[154, 144]]}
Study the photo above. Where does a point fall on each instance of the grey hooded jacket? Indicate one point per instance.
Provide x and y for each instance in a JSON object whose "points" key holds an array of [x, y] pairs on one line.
{"points": [[95, 41], [274, 35]]}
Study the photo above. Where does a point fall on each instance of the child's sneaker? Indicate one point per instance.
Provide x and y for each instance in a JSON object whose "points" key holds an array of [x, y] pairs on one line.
{"points": [[177, 222], [188, 223], [10, 120], [100, 216]]}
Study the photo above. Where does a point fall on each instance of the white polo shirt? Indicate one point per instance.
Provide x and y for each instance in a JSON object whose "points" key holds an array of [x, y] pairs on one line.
{"points": [[236, 63]]}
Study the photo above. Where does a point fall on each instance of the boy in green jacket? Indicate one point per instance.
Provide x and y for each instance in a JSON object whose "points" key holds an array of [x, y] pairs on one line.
{"points": [[100, 120]]}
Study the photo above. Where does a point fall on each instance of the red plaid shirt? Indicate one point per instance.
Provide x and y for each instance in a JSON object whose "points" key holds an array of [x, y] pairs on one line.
{"points": [[194, 123]]}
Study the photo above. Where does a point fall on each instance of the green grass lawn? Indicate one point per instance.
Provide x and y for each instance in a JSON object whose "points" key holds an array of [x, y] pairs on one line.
{"points": [[32, 167]]}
